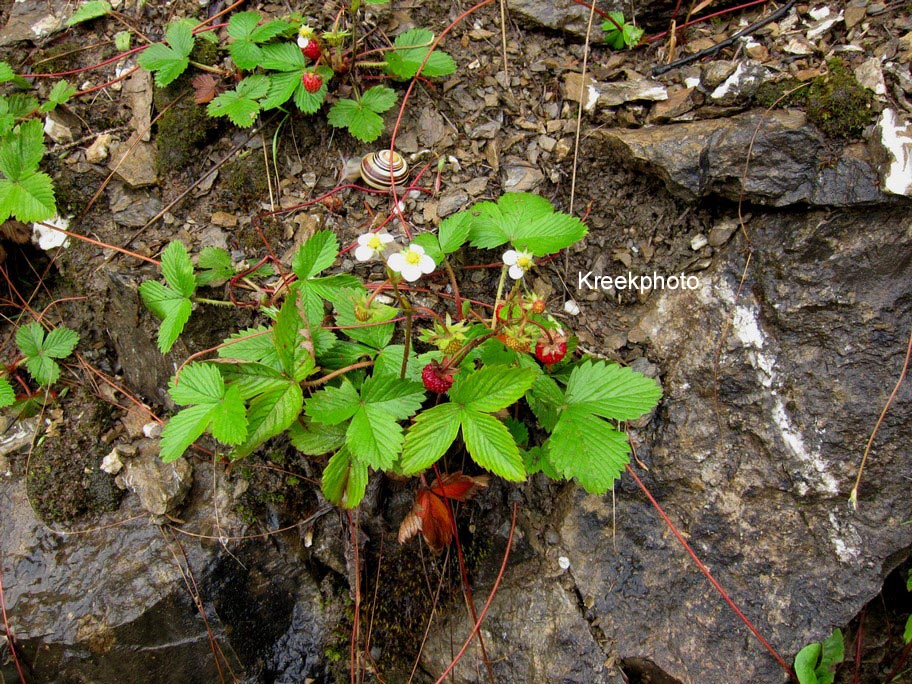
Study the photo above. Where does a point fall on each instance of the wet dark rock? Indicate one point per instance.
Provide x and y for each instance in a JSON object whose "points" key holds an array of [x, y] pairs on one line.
{"points": [[132, 208], [534, 633], [741, 85], [760, 480], [701, 158], [161, 487], [112, 606]]}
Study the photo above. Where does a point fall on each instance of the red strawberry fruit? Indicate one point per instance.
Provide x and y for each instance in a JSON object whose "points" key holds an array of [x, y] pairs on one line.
{"points": [[436, 378], [551, 351], [312, 82], [312, 50]]}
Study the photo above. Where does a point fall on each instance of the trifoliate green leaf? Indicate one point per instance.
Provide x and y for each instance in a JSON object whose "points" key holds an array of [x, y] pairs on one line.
{"points": [[178, 269], [242, 24], [253, 379], [374, 437], [611, 391], [429, 437], [528, 221], [344, 353], [271, 413], [282, 86], [6, 72], [240, 105], [285, 333], [492, 388], [333, 405], [7, 394], [252, 344], [546, 401], [316, 254], [88, 11], [170, 59], [389, 362], [491, 446], [216, 267], [363, 123], [197, 383], [212, 405], [316, 439], [344, 480], [283, 57], [454, 231], [60, 94], [379, 98], [410, 49], [20, 154], [171, 307], [373, 332], [40, 351], [20, 106], [122, 41], [182, 430], [585, 447], [29, 199]]}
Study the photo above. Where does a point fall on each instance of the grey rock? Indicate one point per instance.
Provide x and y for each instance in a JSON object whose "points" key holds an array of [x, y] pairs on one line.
{"points": [[161, 487], [721, 233], [741, 85], [132, 208], [701, 158], [715, 73], [520, 177], [759, 481], [531, 608], [451, 202], [111, 606], [34, 21], [617, 93], [135, 164]]}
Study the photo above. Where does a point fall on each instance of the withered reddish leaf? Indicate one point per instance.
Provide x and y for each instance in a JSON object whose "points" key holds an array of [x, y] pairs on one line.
{"points": [[205, 88], [431, 513], [458, 486]]}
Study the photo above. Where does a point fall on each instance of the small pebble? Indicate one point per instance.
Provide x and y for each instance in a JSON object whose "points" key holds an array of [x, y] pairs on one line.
{"points": [[698, 242], [563, 562], [571, 307]]}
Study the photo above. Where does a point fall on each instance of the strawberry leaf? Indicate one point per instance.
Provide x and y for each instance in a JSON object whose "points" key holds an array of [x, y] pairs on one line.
{"points": [[373, 332], [170, 59], [364, 124], [611, 391], [333, 405], [60, 94], [216, 266], [240, 105], [40, 351], [7, 394], [316, 439], [379, 99], [20, 154], [430, 435], [29, 199], [344, 480], [271, 413], [491, 446], [178, 269], [410, 51], [492, 388], [585, 447], [88, 11], [316, 254], [526, 220]]}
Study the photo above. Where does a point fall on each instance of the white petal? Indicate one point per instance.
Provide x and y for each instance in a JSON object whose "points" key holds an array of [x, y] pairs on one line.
{"points": [[510, 257], [411, 272], [426, 264], [516, 272], [364, 239], [302, 42], [396, 262], [417, 249], [364, 253], [385, 238]]}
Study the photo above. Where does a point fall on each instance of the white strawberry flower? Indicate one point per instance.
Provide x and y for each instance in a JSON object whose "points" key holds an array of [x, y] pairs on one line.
{"points": [[519, 263], [371, 244], [411, 262]]}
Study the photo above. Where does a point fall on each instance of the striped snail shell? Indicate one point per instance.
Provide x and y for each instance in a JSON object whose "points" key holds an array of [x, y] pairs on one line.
{"points": [[375, 169]]}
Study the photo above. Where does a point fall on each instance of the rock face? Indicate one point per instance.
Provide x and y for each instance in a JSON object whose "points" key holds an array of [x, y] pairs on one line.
{"points": [[699, 158], [112, 606]]}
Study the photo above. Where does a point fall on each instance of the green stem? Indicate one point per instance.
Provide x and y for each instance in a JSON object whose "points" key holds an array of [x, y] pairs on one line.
{"points": [[210, 69], [212, 302], [371, 65], [407, 312], [337, 373], [503, 275]]}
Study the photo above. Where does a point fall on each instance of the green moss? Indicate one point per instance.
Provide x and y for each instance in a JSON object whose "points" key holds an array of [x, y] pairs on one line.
{"points": [[837, 104], [242, 182], [772, 94], [182, 131], [61, 57]]}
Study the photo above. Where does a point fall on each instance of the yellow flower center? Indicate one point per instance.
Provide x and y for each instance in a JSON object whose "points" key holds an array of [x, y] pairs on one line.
{"points": [[524, 263], [412, 257], [374, 243]]}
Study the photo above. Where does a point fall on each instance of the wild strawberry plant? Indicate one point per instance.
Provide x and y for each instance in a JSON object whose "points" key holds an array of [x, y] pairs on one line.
{"points": [[374, 387], [286, 60]]}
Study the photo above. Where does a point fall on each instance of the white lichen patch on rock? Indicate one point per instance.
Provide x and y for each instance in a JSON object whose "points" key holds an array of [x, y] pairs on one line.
{"points": [[896, 139], [847, 543], [48, 238]]}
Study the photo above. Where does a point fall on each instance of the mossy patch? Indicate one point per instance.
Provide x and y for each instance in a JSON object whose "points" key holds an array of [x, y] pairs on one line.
{"points": [[837, 104], [182, 132], [242, 183], [64, 476], [777, 93]]}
